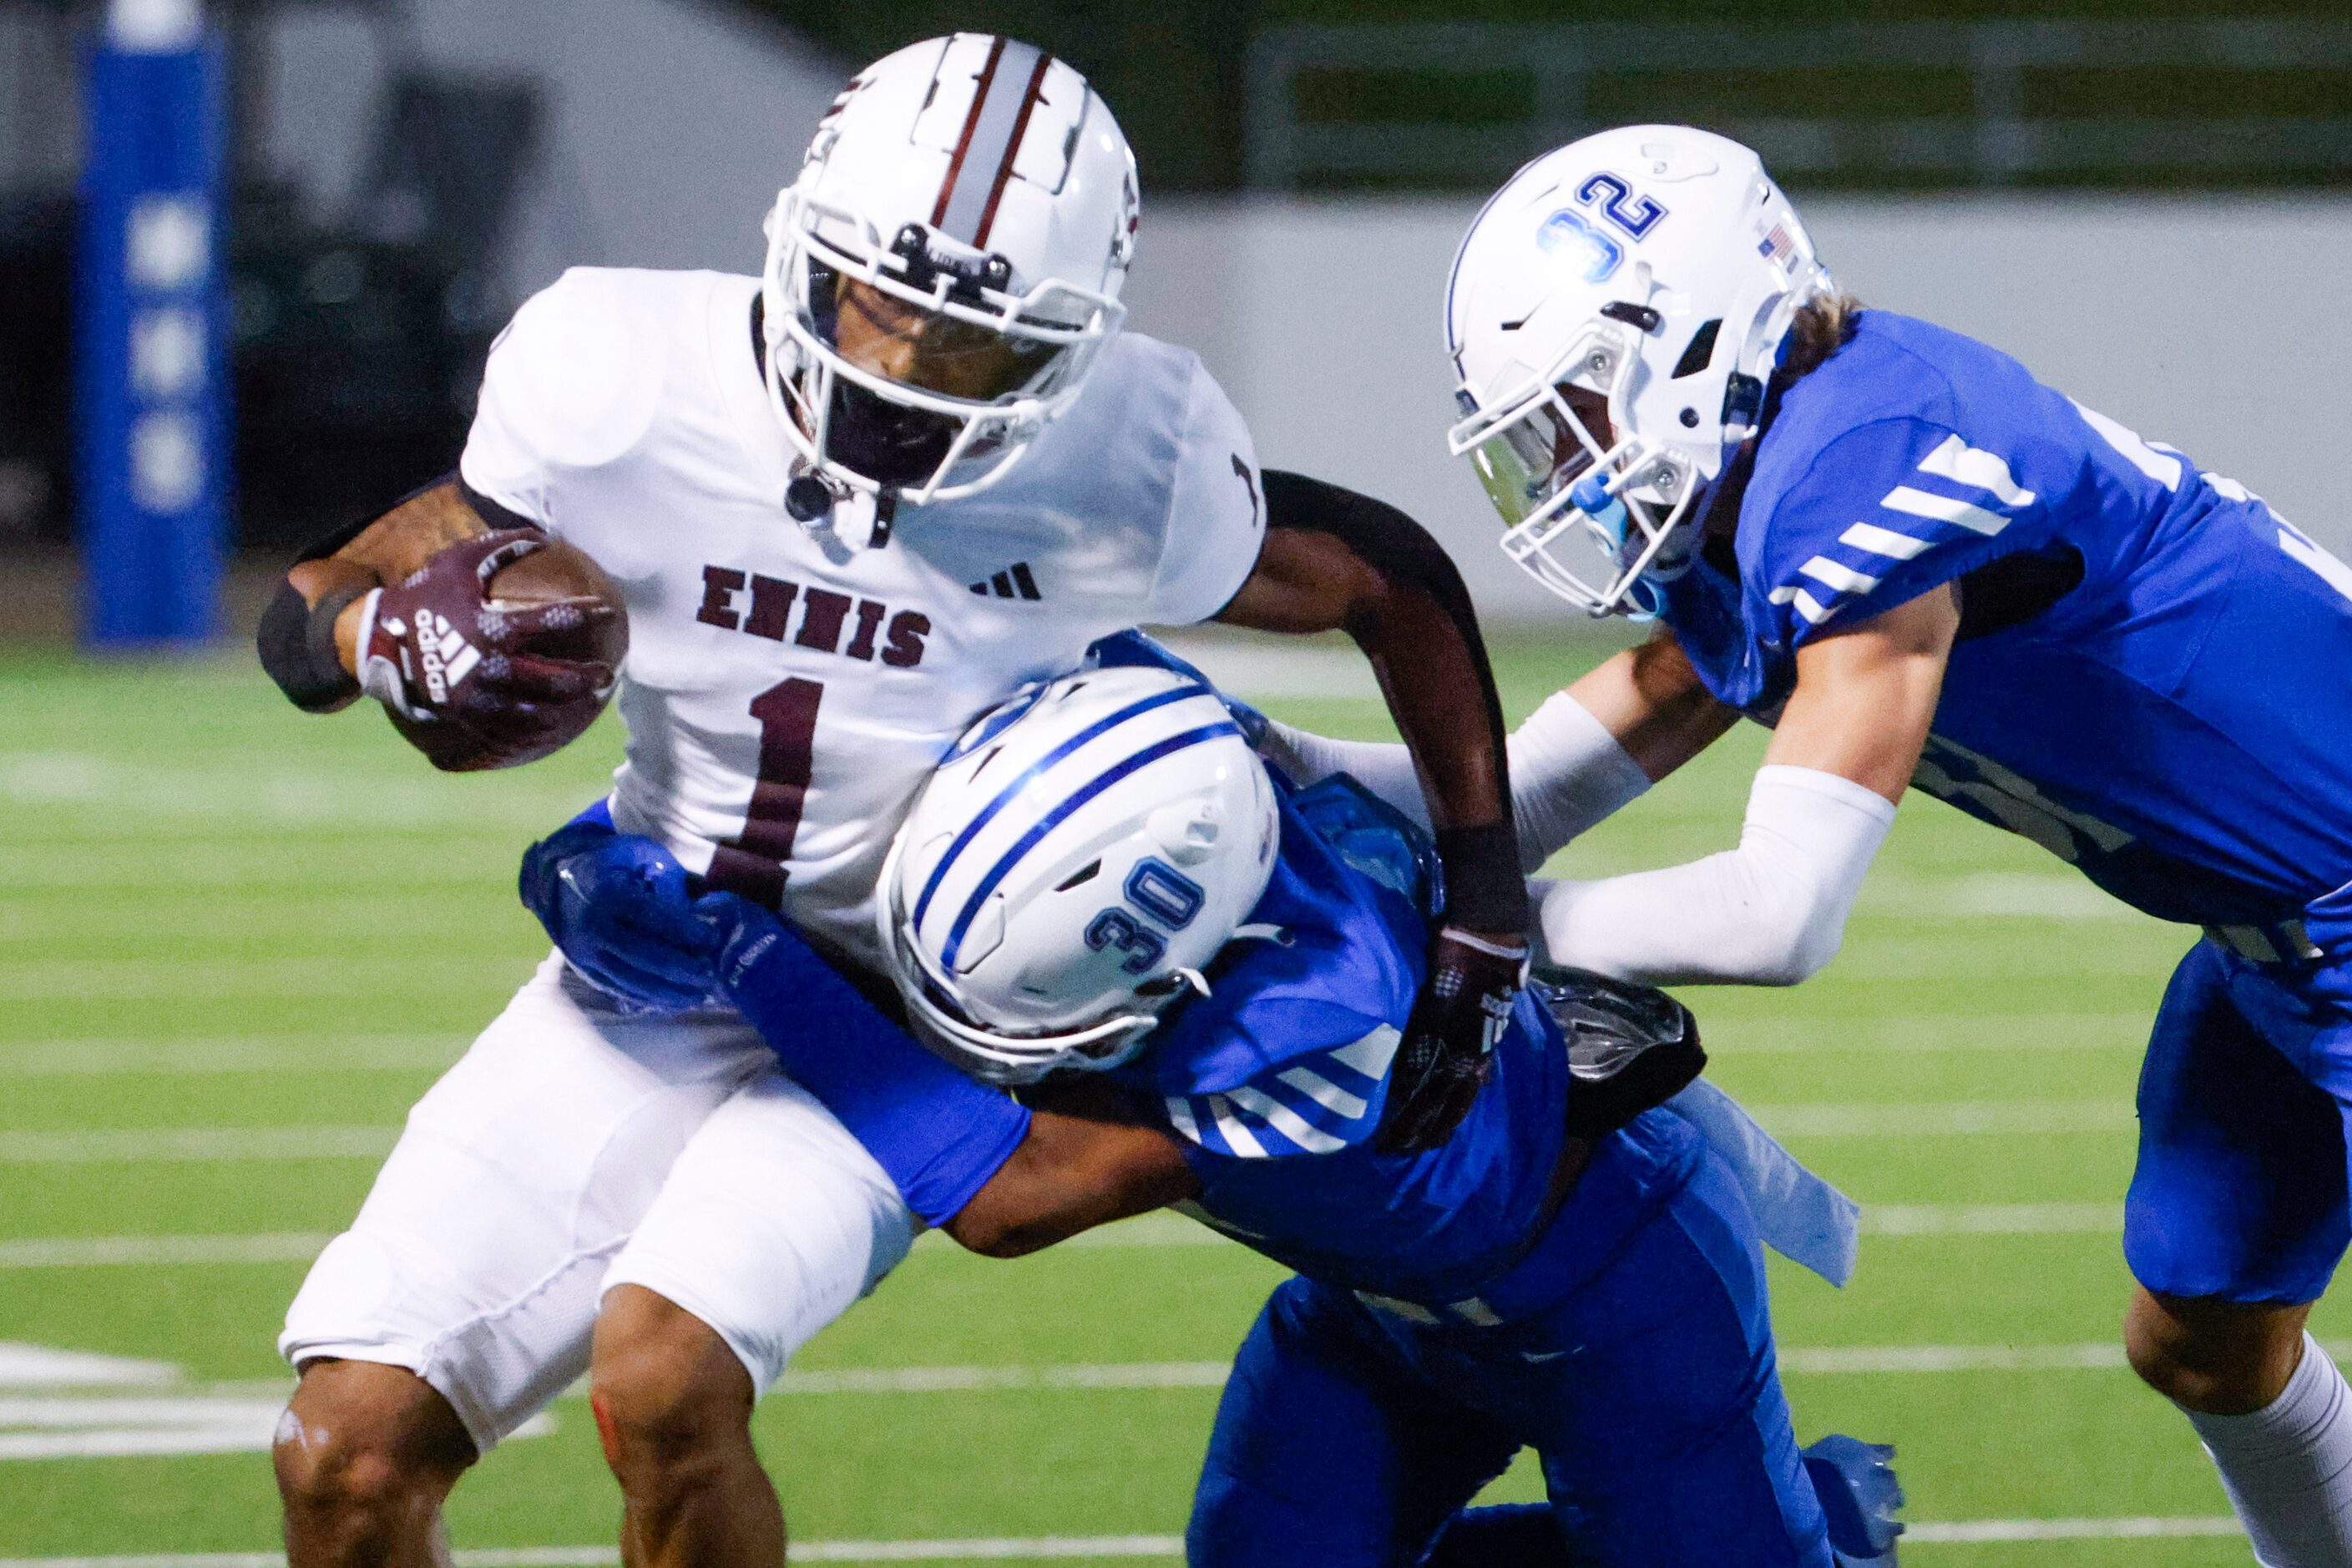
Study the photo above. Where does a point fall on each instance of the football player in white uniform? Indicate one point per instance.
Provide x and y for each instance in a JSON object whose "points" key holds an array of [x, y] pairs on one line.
{"points": [[849, 506]]}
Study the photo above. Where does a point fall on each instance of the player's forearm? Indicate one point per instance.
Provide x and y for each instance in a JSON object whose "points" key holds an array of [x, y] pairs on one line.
{"points": [[1336, 560], [1653, 703], [1770, 912], [1585, 754], [1567, 773], [1070, 1174], [309, 633]]}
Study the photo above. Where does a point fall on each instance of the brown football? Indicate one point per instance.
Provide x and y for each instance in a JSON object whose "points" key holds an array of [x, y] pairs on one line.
{"points": [[555, 571], [562, 570]]}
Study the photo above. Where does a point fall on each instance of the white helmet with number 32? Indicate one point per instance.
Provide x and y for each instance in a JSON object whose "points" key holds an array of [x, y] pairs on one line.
{"points": [[1075, 864], [1655, 267], [947, 267]]}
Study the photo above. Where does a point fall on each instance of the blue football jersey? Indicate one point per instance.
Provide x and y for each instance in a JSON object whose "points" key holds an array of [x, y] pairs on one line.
{"points": [[2177, 723], [1276, 1080]]}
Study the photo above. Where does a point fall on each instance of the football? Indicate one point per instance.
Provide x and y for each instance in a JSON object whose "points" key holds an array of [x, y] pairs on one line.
{"points": [[559, 571], [533, 605]]}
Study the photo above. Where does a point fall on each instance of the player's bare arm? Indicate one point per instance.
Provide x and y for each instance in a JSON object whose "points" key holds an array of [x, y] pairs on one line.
{"points": [[1773, 910], [1336, 561], [1071, 1172], [1653, 704], [1427, 656], [1865, 696]]}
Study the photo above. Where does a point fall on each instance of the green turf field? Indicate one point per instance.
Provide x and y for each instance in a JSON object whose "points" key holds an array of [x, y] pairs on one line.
{"points": [[235, 943]]}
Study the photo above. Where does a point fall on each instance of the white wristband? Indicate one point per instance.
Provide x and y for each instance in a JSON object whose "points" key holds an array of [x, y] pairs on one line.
{"points": [[378, 678], [1770, 912]]}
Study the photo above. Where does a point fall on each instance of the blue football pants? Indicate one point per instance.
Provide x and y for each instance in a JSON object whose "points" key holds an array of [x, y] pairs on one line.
{"points": [[2239, 1191], [1348, 1436]]}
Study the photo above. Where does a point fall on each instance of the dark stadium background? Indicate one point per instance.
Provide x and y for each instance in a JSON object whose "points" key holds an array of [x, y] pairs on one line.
{"points": [[350, 393]]}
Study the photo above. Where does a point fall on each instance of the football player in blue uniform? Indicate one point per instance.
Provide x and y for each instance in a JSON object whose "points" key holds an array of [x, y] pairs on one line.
{"points": [[1924, 568], [1103, 887]]}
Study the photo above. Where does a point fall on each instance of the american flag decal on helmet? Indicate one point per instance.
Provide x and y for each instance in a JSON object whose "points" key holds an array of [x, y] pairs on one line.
{"points": [[1776, 246], [1010, 83]]}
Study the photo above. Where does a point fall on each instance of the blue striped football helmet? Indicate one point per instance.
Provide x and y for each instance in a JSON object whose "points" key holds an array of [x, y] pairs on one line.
{"points": [[1074, 866]]}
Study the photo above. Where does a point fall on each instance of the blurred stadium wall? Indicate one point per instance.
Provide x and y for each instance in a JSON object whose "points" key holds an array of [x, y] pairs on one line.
{"points": [[666, 124], [410, 168], [2219, 324]]}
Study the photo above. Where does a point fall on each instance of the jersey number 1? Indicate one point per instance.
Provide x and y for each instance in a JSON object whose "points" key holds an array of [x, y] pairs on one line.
{"points": [[752, 864]]}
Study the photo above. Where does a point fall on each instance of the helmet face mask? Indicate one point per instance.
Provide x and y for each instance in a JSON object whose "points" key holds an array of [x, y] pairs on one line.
{"points": [[1668, 312], [903, 356], [1590, 518]]}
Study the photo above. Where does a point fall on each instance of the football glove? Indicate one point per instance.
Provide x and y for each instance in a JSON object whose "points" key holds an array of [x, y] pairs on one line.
{"points": [[464, 677], [1449, 1038], [1860, 1497], [619, 908]]}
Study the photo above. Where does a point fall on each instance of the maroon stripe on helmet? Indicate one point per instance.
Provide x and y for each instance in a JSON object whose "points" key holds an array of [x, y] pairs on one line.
{"points": [[1029, 96], [971, 123]]}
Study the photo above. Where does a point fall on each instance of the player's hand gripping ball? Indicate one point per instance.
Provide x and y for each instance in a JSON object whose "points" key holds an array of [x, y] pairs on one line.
{"points": [[497, 651]]}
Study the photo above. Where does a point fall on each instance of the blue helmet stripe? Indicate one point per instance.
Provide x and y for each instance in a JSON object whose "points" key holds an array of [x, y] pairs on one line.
{"points": [[1005, 796], [1054, 818]]}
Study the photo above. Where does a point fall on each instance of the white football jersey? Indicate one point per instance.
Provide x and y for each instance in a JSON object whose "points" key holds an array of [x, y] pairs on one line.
{"points": [[789, 689]]}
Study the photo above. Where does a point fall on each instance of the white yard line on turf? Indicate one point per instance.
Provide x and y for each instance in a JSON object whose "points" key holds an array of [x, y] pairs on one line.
{"points": [[1964, 1118], [1906, 1032], [1968, 1531], [176, 979], [1993, 1219], [960, 1379], [244, 1053], [207, 1145], [1951, 1532], [1892, 1220], [1882, 1359], [139, 1251]]}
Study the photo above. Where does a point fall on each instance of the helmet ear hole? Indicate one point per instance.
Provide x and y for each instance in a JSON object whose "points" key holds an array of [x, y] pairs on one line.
{"points": [[1699, 354]]}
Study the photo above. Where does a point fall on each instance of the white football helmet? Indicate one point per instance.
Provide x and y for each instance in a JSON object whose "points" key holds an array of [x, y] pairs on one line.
{"points": [[946, 268], [1073, 866], [1659, 268]]}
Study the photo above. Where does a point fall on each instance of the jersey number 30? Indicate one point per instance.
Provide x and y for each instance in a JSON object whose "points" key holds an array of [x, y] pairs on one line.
{"points": [[1154, 889]]}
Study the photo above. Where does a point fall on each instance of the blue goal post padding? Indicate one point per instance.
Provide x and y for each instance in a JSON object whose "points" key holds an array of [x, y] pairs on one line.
{"points": [[152, 362]]}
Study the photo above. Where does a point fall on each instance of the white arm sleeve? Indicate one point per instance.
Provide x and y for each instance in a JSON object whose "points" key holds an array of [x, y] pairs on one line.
{"points": [[1770, 912], [1567, 773]]}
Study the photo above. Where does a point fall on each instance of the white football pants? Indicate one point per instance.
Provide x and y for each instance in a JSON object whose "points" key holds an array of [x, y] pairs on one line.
{"points": [[572, 1148]]}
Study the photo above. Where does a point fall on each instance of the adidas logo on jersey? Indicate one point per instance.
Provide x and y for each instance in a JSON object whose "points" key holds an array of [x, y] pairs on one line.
{"points": [[1013, 582], [444, 654]]}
